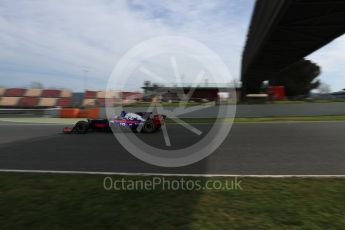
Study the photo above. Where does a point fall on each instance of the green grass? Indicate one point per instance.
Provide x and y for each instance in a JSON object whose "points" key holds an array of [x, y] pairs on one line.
{"points": [[45, 120], [292, 118], [294, 101], [265, 119], [190, 120], [58, 201], [191, 103], [287, 102], [165, 104]]}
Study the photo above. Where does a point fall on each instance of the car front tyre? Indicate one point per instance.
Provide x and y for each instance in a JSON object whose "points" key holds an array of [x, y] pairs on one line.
{"points": [[81, 127], [149, 127]]}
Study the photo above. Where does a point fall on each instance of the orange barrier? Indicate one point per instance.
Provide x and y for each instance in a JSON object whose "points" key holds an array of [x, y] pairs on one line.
{"points": [[82, 113], [89, 113], [69, 113]]}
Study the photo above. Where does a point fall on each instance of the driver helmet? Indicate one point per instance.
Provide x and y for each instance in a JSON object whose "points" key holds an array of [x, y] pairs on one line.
{"points": [[123, 113]]}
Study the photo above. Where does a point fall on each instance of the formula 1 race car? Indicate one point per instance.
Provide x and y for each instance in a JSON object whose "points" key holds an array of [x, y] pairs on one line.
{"points": [[137, 122]]}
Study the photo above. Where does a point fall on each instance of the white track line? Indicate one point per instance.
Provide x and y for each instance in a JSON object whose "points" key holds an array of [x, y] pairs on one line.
{"points": [[163, 174]]}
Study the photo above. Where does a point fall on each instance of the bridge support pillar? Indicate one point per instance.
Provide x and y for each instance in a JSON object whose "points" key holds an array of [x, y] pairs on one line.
{"points": [[252, 86]]}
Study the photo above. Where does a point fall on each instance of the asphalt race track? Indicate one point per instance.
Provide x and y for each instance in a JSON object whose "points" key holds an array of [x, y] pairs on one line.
{"points": [[294, 148]]}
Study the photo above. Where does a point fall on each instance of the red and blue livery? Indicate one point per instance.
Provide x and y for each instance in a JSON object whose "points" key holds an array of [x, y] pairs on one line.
{"points": [[139, 122]]}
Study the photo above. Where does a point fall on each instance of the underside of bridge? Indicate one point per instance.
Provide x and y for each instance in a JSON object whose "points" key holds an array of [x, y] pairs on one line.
{"points": [[282, 32]]}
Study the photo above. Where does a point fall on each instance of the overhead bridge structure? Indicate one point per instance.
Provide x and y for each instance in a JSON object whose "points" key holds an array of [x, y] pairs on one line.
{"points": [[282, 32]]}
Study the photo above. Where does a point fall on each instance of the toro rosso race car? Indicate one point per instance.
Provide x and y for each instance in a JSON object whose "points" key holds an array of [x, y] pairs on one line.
{"points": [[137, 122]]}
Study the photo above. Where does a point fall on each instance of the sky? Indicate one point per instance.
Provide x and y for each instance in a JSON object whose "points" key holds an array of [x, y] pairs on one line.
{"points": [[76, 44]]}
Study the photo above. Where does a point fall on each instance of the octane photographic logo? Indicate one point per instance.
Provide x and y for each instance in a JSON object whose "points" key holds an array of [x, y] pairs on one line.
{"points": [[166, 60]]}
